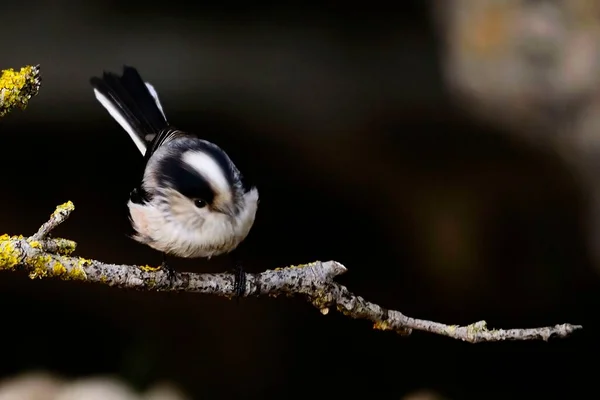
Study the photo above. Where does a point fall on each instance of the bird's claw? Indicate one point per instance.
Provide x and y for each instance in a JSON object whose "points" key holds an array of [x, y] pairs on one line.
{"points": [[239, 283], [171, 274]]}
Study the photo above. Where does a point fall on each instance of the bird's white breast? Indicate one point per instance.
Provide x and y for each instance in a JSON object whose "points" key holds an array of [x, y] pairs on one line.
{"points": [[192, 238]]}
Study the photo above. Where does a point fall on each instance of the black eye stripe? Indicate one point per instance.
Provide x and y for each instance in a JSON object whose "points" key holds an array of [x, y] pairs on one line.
{"points": [[184, 179]]}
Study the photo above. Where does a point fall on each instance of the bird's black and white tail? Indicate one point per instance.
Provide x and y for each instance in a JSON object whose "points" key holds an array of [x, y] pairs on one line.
{"points": [[133, 103]]}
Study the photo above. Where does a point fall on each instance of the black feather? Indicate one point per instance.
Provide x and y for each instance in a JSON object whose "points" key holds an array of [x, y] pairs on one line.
{"points": [[131, 96], [139, 196], [184, 179], [161, 138]]}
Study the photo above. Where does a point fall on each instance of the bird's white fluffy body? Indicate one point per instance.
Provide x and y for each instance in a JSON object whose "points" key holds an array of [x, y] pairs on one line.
{"points": [[183, 232]]}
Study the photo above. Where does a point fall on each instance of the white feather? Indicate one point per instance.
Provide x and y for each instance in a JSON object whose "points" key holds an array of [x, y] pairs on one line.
{"points": [[116, 114], [208, 167], [154, 94]]}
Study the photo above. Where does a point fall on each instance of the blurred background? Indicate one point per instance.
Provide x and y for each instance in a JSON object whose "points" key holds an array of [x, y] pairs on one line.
{"points": [[445, 151]]}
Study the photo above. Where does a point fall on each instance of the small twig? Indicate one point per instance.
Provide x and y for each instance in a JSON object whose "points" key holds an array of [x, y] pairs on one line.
{"points": [[52, 258], [59, 216]]}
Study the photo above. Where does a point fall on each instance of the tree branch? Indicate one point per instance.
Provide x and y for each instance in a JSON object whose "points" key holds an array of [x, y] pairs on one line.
{"points": [[16, 88], [52, 257]]}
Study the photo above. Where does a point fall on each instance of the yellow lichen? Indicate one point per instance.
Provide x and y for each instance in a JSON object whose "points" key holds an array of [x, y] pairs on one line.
{"points": [[148, 268], [344, 310], [65, 247], [39, 265], [299, 266], [16, 88], [9, 255], [59, 269], [386, 326], [63, 209], [321, 300], [78, 271], [475, 328], [382, 325]]}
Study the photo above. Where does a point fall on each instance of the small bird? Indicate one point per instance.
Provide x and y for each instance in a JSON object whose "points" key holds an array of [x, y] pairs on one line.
{"points": [[192, 201]]}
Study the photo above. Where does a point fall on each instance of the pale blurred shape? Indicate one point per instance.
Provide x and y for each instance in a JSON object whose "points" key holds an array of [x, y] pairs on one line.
{"points": [[45, 386], [97, 388], [534, 67], [165, 391], [588, 127], [424, 394], [30, 386], [521, 61]]}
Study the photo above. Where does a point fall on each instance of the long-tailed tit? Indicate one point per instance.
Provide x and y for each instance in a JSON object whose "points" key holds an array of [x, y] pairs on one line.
{"points": [[192, 201]]}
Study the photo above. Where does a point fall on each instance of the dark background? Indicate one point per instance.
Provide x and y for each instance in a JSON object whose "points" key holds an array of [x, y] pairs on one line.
{"points": [[342, 120]]}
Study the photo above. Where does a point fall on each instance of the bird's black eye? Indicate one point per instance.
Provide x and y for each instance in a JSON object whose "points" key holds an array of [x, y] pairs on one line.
{"points": [[199, 203]]}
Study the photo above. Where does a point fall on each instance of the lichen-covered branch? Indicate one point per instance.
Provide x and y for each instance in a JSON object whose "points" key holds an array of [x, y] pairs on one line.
{"points": [[53, 257], [17, 87]]}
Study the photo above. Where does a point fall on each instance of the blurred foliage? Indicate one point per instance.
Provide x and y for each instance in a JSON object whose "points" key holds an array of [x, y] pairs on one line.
{"points": [[522, 61]]}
